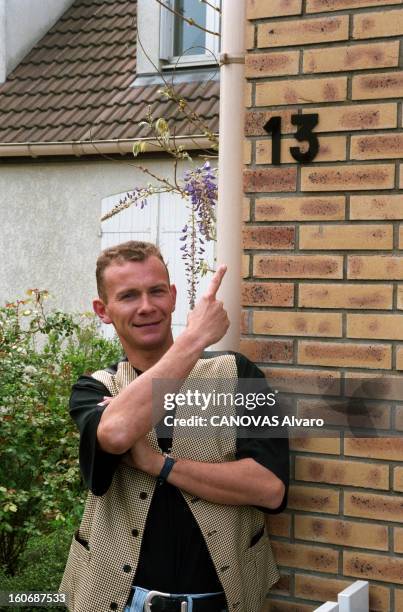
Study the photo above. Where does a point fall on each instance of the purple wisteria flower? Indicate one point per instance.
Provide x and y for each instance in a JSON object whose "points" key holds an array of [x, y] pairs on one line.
{"points": [[201, 189]]}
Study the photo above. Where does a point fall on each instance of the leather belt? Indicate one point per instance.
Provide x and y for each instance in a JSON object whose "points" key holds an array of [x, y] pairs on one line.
{"points": [[163, 602]]}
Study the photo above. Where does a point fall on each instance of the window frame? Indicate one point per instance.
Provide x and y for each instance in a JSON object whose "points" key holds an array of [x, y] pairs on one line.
{"points": [[167, 33]]}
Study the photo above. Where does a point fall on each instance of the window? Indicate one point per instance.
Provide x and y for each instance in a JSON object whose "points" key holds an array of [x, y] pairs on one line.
{"points": [[160, 222], [184, 44]]}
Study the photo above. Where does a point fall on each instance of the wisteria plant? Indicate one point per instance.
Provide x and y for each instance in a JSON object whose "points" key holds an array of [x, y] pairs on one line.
{"points": [[198, 189]]}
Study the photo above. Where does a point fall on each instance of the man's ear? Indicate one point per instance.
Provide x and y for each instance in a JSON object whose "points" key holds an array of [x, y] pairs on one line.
{"points": [[100, 310], [173, 294]]}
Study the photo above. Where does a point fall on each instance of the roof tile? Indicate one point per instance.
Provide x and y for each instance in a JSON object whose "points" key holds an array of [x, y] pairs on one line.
{"points": [[77, 82]]}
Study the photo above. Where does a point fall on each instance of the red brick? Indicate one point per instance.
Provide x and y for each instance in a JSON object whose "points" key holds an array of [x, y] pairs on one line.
{"points": [[299, 208], [344, 533], [311, 557], [378, 86], [378, 24], [267, 294], [316, 444], [345, 295], [373, 567], [271, 64], [313, 499], [373, 385], [256, 9], [299, 266], [283, 586], [373, 506], [342, 472], [379, 146], [356, 117], [279, 605], [345, 354], [244, 321], [268, 237], [375, 448], [375, 267], [297, 323], [278, 524], [314, 382], [345, 178], [346, 236], [302, 31], [376, 207], [351, 57], [270, 179], [398, 479], [278, 351], [318, 6], [398, 540], [399, 420], [301, 91], [380, 326]]}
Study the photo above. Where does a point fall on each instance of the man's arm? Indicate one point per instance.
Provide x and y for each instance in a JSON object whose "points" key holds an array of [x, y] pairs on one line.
{"points": [[242, 482], [128, 417]]}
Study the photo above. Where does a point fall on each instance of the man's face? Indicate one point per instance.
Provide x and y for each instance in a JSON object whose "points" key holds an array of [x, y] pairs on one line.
{"points": [[140, 303]]}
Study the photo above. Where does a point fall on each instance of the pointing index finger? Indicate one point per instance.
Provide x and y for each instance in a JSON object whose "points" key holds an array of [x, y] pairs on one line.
{"points": [[216, 281]]}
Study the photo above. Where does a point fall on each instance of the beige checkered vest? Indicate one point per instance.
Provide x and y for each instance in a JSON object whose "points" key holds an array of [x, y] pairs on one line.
{"points": [[99, 579]]}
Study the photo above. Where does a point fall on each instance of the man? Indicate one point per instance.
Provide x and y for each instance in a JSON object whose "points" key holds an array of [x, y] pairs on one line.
{"points": [[175, 515]]}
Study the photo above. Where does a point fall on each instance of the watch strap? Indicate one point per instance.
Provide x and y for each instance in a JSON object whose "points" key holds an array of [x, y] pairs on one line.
{"points": [[166, 470]]}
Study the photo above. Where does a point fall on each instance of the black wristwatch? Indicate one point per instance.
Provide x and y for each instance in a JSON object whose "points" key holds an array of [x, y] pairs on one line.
{"points": [[166, 469]]}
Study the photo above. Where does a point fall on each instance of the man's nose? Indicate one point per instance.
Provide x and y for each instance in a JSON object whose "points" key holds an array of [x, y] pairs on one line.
{"points": [[146, 304]]}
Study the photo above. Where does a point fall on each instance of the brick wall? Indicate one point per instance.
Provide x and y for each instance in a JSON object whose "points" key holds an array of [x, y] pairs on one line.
{"points": [[323, 280]]}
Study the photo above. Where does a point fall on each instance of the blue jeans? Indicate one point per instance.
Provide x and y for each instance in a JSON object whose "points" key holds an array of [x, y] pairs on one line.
{"points": [[137, 604]]}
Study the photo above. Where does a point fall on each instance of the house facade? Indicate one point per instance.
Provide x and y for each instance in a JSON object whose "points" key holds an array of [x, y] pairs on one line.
{"points": [[70, 112], [322, 288], [323, 282]]}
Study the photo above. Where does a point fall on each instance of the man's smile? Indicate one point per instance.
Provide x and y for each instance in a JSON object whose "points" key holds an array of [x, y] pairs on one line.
{"points": [[152, 324]]}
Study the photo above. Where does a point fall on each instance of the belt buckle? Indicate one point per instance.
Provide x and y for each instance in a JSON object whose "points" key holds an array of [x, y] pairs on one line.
{"points": [[152, 594]]}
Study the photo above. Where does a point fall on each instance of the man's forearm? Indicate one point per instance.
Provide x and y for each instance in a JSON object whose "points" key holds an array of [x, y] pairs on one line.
{"points": [[128, 416], [242, 482]]}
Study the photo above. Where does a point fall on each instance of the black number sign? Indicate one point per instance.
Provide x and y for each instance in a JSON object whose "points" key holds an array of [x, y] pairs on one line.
{"points": [[273, 126], [306, 123]]}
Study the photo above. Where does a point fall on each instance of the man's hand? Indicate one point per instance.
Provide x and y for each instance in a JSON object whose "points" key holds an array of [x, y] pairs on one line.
{"points": [[208, 320], [144, 458]]}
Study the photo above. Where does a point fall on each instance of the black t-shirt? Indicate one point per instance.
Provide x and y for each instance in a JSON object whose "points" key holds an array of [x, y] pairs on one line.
{"points": [[174, 556]]}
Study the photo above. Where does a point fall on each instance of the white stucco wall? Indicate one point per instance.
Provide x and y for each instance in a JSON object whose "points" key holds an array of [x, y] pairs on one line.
{"points": [[50, 225], [22, 24]]}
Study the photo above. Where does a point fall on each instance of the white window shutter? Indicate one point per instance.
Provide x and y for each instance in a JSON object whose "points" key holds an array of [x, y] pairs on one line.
{"points": [[167, 31], [213, 24], [130, 224]]}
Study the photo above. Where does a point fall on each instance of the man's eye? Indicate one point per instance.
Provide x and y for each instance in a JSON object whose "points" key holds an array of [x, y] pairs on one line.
{"points": [[156, 291]]}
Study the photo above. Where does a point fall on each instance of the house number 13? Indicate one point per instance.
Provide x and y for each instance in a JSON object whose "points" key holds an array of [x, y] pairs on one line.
{"points": [[306, 124]]}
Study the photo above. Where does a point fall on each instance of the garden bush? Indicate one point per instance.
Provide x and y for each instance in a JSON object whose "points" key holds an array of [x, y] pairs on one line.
{"points": [[42, 353]]}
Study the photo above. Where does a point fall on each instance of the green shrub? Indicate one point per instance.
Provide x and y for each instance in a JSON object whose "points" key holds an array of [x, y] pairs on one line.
{"points": [[41, 566], [41, 356]]}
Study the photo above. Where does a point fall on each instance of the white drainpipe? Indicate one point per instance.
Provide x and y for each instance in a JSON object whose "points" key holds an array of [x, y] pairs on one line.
{"points": [[230, 164], [3, 53]]}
